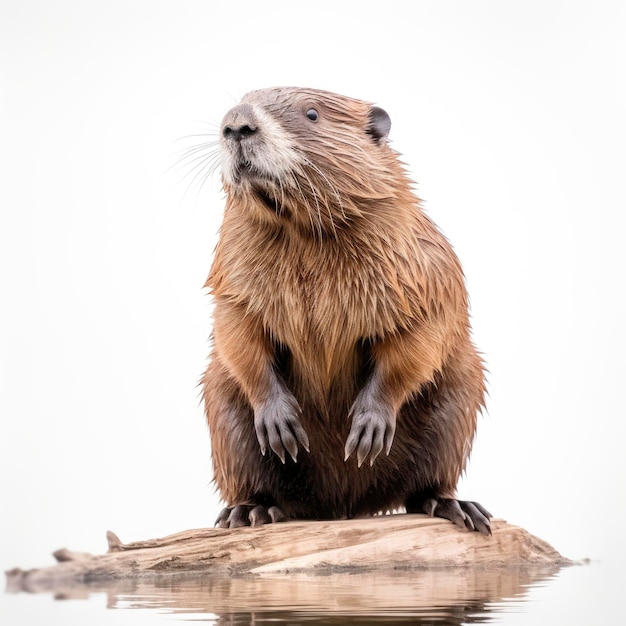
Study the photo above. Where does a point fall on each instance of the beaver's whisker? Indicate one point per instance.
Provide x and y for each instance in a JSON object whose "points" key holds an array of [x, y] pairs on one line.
{"points": [[317, 198], [307, 207]]}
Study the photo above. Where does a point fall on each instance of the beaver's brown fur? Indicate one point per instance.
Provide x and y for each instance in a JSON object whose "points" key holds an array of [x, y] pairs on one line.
{"points": [[341, 338]]}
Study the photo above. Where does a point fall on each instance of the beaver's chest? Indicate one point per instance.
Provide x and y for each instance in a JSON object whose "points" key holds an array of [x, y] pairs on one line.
{"points": [[325, 299]]}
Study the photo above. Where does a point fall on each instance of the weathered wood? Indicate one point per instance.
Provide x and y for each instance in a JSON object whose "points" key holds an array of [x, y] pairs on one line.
{"points": [[381, 544]]}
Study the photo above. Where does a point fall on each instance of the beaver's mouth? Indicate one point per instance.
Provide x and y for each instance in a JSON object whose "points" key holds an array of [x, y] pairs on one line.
{"points": [[262, 185]]}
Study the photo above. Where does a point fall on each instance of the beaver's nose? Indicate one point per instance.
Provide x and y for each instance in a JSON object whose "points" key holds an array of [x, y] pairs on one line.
{"points": [[240, 122]]}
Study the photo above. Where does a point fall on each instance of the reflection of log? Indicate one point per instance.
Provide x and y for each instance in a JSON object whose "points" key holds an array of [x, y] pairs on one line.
{"points": [[453, 596], [375, 544]]}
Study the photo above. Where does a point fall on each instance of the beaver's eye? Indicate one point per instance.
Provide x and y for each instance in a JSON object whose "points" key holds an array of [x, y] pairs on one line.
{"points": [[312, 114]]}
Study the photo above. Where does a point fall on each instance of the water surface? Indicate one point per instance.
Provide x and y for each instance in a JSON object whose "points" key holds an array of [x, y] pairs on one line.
{"points": [[445, 597]]}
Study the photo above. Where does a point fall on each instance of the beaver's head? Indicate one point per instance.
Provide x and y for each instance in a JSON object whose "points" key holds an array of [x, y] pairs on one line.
{"points": [[312, 157]]}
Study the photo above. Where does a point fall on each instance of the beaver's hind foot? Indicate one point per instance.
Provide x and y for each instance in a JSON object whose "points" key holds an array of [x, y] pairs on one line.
{"points": [[249, 515], [463, 513]]}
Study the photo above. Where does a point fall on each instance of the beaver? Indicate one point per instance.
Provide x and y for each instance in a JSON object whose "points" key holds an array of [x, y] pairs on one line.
{"points": [[343, 380]]}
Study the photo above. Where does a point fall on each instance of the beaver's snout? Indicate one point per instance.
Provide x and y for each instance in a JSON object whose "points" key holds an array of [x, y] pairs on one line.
{"points": [[240, 122], [256, 149]]}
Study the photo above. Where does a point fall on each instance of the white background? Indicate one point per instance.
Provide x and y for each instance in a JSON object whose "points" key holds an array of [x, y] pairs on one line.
{"points": [[511, 118]]}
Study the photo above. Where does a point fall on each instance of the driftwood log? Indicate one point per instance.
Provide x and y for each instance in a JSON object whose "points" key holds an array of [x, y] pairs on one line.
{"points": [[381, 544]]}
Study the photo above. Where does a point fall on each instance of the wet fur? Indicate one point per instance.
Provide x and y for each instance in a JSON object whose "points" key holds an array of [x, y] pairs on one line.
{"points": [[333, 288]]}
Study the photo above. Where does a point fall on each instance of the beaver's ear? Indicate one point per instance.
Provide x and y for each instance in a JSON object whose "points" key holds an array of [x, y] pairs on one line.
{"points": [[379, 124]]}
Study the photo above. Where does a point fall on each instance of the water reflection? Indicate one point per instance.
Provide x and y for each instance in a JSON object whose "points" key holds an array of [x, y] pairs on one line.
{"points": [[451, 597]]}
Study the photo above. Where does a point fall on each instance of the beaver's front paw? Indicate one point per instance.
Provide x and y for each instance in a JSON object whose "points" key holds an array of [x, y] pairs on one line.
{"points": [[373, 428], [278, 425]]}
